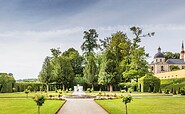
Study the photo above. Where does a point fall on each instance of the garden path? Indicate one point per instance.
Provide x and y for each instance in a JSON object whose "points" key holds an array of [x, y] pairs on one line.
{"points": [[81, 106]]}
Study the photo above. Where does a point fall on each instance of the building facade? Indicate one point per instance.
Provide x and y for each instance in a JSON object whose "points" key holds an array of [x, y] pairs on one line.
{"points": [[160, 65]]}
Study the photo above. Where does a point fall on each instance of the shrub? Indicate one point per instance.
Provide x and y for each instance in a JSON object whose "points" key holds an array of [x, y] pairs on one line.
{"points": [[39, 99], [26, 91], [100, 93], [167, 91], [70, 89], [130, 90], [66, 91], [59, 91], [30, 88], [122, 91], [127, 99], [89, 90], [7, 82], [183, 91]]}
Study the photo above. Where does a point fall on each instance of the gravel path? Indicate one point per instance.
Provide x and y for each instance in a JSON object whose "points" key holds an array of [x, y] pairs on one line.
{"points": [[81, 106]]}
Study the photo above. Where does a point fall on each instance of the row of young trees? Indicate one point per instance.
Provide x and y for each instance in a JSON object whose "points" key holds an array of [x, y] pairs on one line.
{"points": [[117, 59]]}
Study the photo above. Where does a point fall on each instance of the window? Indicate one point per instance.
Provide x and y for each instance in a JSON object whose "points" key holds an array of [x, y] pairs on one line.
{"points": [[162, 68], [152, 68], [160, 60]]}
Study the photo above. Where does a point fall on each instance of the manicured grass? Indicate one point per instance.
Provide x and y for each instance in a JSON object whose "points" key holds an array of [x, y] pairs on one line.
{"points": [[15, 95], [31, 94], [27, 106], [163, 105]]}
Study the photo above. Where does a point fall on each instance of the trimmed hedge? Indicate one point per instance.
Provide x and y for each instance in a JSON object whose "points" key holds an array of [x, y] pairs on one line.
{"points": [[173, 83], [34, 86], [7, 83], [149, 83]]}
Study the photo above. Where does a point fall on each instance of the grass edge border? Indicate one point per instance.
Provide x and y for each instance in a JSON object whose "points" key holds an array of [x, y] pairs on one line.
{"points": [[60, 107], [102, 107]]}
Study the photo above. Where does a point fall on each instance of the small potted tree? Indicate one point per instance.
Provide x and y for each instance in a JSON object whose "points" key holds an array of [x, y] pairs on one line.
{"points": [[127, 99], [26, 91], [39, 99]]}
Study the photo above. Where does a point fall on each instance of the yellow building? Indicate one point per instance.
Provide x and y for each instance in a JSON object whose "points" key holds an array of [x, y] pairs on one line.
{"points": [[171, 75]]}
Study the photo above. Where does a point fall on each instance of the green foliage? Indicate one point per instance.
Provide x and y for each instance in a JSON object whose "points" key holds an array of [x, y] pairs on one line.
{"points": [[46, 74], [176, 83], [167, 91], [30, 88], [70, 89], [135, 63], [170, 55], [59, 91], [174, 68], [76, 61], [26, 91], [90, 70], [90, 42], [21, 86], [148, 83], [183, 91], [39, 99], [127, 99], [7, 83], [89, 90]]}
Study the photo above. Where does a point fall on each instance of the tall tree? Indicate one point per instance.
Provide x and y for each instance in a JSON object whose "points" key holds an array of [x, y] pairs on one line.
{"points": [[135, 62], [76, 61], [90, 70], [46, 74], [116, 48], [108, 72], [90, 42], [65, 74]]}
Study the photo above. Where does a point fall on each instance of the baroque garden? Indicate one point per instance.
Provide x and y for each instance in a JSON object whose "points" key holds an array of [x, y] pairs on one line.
{"points": [[113, 71]]}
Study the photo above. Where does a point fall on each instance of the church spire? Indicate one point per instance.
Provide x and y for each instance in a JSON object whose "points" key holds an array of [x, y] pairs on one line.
{"points": [[182, 46], [182, 52]]}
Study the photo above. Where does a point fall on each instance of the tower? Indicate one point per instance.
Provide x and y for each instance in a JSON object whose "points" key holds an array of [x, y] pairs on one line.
{"points": [[182, 52]]}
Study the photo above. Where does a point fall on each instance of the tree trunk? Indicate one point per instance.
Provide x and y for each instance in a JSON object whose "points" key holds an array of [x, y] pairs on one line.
{"points": [[108, 88], [111, 87], [93, 87], [38, 109], [63, 87], [47, 87], [126, 108]]}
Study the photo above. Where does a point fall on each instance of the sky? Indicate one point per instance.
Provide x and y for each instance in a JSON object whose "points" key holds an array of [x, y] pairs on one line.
{"points": [[30, 28]]}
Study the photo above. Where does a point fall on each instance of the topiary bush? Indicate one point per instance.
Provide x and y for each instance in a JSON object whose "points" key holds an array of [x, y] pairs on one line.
{"points": [[7, 83], [39, 99], [148, 83]]}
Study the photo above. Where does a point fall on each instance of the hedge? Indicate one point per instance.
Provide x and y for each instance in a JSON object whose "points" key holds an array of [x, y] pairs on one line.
{"points": [[149, 83], [7, 83], [173, 83], [34, 86]]}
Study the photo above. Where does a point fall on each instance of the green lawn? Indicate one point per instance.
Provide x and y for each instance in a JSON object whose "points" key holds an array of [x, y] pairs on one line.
{"points": [[27, 106], [31, 94], [163, 105]]}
